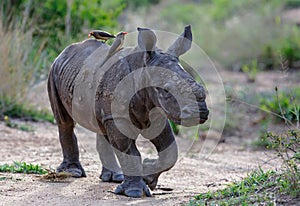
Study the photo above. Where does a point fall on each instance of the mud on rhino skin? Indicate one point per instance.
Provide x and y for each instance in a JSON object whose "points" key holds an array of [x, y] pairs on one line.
{"points": [[133, 92]]}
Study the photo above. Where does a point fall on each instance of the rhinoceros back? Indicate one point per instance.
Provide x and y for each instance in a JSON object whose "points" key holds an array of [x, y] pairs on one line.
{"points": [[88, 83], [74, 77]]}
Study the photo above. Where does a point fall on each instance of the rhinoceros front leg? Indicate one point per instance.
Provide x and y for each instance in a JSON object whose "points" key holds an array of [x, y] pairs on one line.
{"points": [[130, 161], [166, 147], [111, 171]]}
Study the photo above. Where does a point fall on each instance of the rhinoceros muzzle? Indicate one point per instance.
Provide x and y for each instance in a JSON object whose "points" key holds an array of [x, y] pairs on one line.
{"points": [[204, 112], [191, 116]]}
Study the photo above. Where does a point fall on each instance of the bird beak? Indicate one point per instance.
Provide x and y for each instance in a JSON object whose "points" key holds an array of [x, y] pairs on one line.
{"points": [[125, 32], [89, 35]]}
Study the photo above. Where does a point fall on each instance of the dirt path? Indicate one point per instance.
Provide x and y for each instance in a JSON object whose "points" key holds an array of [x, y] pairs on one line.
{"points": [[190, 176]]}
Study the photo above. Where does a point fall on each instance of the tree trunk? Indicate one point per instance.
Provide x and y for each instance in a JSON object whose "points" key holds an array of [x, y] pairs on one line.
{"points": [[68, 18]]}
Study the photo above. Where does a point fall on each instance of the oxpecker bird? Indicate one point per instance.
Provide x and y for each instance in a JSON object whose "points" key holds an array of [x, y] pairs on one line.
{"points": [[117, 44], [103, 35]]}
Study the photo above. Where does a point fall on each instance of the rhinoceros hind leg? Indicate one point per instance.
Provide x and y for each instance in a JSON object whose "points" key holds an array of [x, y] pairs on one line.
{"points": [[70, 151], [111, 171], [67, 137], [110, 176], [133, 187], [74, 168]]}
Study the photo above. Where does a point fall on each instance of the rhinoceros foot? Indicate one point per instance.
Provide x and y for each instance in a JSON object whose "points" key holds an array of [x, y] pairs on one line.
{"points": [[110, 176], [149, 165], [74, 168], [151, 180], [133, 187]]}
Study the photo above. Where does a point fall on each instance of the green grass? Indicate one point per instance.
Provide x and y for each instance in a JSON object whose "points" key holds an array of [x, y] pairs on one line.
{"points": [[22, 167], [2, 178], [264, 187], [262, 142], [259, 187], [286, 104], [17, 110], [174, 127]]}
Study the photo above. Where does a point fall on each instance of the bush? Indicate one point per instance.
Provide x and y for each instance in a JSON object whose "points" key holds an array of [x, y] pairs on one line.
{"points": [[135, 4], [17, 110], [260, 187], [292, 3], [32, 33], [250, 70], [234, 32], [56, 23], [17, 68], [285, 105]]}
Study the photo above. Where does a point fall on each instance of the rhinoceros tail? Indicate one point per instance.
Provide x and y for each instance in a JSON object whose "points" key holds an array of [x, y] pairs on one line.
{"points": [[60, 113]]}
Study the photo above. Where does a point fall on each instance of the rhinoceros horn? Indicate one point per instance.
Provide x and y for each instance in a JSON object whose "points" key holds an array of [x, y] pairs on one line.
{"points": [[146, 40], [183, 43]]}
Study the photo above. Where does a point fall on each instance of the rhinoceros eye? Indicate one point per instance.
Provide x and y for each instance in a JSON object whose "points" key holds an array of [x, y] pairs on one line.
{"points": [[167, 92], [168, 87]]}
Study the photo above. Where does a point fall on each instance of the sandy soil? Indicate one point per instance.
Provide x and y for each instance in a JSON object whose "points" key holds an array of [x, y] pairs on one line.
{"points": [[190, 176], [230, 161]]}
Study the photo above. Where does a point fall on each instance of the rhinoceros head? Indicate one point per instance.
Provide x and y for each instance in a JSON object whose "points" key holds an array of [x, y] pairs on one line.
{"points": [[174, 90]]}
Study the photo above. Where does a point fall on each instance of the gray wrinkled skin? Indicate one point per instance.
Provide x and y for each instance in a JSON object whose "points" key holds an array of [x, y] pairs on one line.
{"points": [[134, 92]]}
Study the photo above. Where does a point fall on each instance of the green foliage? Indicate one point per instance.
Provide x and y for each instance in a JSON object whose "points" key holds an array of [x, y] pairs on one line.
{"points": [[262, 142], [259, 187], [56, 23], [287, 147], [11, 124], [291, 51], [33, 33], [174, 127], [284, 53], [20, 61], [241, 193], [16, 110], [225, 9], [173, 13], [285, 104], [251, 70], [22, 167], [232, 32], [135, 4], [292, 3], [268, 57]]}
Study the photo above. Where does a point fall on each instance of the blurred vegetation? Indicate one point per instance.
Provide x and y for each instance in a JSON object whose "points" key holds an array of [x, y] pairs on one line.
{"points": [[250, 70], [264, 187], [247, 36], [24, 112], [135, 4], [286, 104], [234, 33], [33, 33], [56, 23], [292, 3]]}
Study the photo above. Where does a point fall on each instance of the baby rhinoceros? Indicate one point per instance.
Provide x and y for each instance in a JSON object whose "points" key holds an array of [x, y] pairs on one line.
{"points": [[132, 93]]}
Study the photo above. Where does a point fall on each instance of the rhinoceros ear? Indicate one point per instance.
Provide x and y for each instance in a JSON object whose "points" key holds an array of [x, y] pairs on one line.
{"points": [[146, 40], [183, 43]]}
